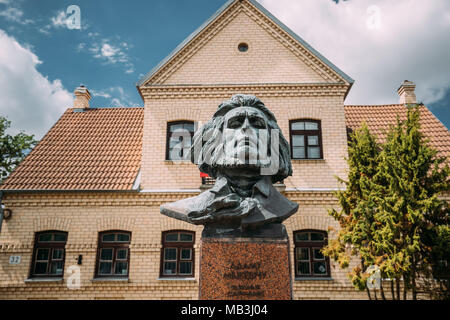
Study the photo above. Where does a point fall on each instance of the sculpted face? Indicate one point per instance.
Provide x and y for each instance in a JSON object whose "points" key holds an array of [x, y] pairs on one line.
{"points": [[242, 128]]}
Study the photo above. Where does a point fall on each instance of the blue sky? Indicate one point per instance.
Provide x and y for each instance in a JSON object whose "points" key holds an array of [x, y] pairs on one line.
{"points": [[119, 41]]}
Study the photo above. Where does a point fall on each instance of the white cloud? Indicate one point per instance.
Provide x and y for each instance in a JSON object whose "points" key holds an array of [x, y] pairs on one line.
{"points": [[31, 101], [116, 96], [109, 51], [14, 15], [60, 20], [412, 42]]}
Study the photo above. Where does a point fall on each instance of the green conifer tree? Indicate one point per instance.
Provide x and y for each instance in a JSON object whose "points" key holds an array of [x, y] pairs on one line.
{"points": [[391, 214]]}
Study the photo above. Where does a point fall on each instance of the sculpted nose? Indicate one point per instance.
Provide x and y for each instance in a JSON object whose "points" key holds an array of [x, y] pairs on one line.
{"points": [[246, 124]]}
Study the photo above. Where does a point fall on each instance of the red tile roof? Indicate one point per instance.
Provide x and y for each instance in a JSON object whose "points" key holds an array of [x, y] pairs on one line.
{"points": [[100, 149], [379, 118]]}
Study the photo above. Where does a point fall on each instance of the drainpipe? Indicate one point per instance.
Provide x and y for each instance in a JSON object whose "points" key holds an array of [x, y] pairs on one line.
{"points": [[1, 210]]}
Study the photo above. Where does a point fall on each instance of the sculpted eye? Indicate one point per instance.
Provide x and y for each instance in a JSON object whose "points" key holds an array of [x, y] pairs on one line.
{"points": [[234, 123], [258, 123]]}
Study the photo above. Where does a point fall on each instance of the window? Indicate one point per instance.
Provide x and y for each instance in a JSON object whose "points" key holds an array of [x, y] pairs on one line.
{"points": [[179, 140], [49, 254], [306, 139], [113, 254], [309, 261], [243, 47], [177, 255]]}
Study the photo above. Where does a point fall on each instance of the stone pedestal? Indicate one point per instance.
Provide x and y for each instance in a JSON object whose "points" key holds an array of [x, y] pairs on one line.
{"points": [[245, 266]]}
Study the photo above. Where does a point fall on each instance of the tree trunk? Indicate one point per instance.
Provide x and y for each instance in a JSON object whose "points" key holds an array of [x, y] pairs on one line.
{"points": [[382, 290], [397, 282], [413, 279], [392, 289], [405, 286], [368, 293]]}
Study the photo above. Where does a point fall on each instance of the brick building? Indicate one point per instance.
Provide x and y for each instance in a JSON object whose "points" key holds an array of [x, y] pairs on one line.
{"points": [[87, 197]]}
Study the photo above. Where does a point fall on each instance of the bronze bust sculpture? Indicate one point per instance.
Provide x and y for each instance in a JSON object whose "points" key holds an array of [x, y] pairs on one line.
{"points": [[242, 147]]}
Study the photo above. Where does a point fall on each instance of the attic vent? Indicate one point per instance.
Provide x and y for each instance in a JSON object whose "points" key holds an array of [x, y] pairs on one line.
{"points": [[243, 47]]}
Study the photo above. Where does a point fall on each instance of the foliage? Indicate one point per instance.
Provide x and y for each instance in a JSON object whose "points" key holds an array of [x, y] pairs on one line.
{"points": [[390, 213], [13, 148]]}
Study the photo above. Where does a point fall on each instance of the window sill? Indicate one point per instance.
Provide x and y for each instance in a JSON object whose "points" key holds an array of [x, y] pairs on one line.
{"points": [[307, 160], [177, 279], [110, 279], [176, 162], [32, 280], [313, 279]]}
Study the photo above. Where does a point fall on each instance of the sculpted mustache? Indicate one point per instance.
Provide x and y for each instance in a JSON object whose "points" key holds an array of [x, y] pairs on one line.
{"points": [[247, 141]]}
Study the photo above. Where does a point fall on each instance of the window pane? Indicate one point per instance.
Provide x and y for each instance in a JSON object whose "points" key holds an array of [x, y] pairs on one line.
{"points": [[298, 152], [172, 237], [56, 268], [176, 153], [302, 253], [109, 237], [58, 254], [189, 127], [303, 268], [170, 267], [170, 254], [176, 127], [185, 267], [105, 268], [313, 152], [187, 237], [121, 268], [319, 268], [121, 237], [318, 255], [122, 254], [42, 254], [186, 153], [313, 140], [40, 268], [185, 254], [298, 126], [317, 236], [60, 237], [301, 236], [187, 142], [174, 142], [107, 254], [46, 237], [311, 126], [298, 141]]}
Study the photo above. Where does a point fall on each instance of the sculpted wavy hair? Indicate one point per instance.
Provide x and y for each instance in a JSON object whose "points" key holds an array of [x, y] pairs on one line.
{"points": [[208, 138]]}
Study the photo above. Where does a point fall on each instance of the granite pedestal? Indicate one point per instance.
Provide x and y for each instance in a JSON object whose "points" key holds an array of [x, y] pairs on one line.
{"points": [[245, 265]]}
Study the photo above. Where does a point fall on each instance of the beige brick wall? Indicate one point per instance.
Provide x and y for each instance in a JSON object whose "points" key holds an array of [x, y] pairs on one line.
{"points": [[83, 219], [84, 215], [266, 61], [190, 88], [160, 174]]}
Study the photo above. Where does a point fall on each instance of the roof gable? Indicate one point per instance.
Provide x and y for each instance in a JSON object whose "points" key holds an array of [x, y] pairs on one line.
{"points": [[309, 60]]}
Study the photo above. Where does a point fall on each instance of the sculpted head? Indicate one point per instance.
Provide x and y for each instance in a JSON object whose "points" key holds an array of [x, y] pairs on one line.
{"points": [[240, 135]]}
